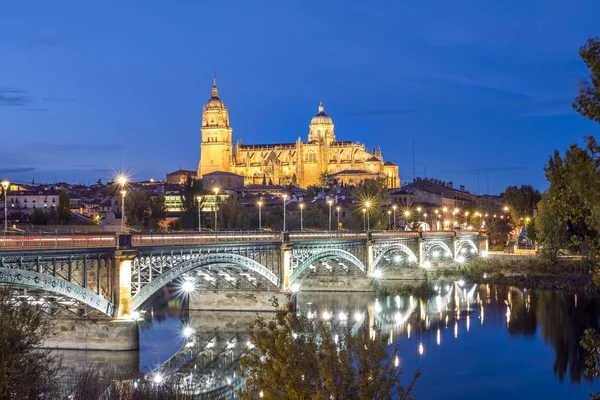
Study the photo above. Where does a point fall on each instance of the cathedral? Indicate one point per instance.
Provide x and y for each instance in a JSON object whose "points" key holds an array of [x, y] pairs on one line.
{"points": [[300, 163]]}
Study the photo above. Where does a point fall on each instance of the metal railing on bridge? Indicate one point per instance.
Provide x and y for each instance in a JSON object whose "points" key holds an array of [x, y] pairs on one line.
{"points": [[183, 238], [55, 240]]}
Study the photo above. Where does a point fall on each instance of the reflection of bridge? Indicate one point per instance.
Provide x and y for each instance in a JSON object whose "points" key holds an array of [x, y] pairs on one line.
{"points": [[115, 275]]}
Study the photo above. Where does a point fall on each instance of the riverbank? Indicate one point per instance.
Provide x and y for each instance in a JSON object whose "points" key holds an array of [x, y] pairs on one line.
{"points": [[571, 276]]}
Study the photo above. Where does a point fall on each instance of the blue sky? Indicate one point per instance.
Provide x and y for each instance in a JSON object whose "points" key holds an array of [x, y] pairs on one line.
{"points": [[483, 88]]}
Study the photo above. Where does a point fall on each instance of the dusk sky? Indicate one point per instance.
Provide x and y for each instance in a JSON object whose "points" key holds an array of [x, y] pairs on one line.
{"points": [[483, 88]]}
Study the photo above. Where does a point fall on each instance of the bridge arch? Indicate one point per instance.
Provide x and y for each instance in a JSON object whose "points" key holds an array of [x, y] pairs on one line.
{"points": [[430, 245], [49, 283], [236, 260], [328, 253], [466, 247], [395, 246]]}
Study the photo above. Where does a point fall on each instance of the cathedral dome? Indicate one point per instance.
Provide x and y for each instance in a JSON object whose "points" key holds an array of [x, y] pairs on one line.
{"points": [[321, 117], [215, 101]]}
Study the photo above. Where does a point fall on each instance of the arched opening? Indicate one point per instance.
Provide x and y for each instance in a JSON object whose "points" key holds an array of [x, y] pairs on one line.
{"points": [[329, 262], [218, 271], [394, 256], [465, 250], [437, 250]]}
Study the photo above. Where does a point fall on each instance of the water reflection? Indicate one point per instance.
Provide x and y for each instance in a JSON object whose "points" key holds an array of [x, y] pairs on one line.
{"points": [[481, 319]]}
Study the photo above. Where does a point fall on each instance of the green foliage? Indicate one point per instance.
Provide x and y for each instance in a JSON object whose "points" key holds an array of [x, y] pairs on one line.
{"points": [[26, 372], [317, 216], [192, 188], [312, 191], [144, 209], [375, 192], [323, 179], [497, 230], [521, 201], [569, 214], [231, 215], [587, 102], [298, 358], [42, 216], [64, 208]]}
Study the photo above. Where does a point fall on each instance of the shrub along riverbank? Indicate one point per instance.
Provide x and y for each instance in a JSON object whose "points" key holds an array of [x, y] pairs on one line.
{"points": [[566, 275]]}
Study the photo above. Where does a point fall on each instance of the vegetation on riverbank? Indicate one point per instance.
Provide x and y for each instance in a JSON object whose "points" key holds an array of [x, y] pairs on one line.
{"points": [[566, 275]]}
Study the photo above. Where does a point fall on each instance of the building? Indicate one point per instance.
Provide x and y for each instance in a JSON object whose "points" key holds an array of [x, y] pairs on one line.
{"points": [[222, 180], [179, 177], [28, 200], [299, 163]]}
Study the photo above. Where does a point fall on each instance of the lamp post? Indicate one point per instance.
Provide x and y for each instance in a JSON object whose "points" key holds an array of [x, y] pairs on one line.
{"points": [[419, 211], [5, 185], [338, 217], [199, 198], [260, 203], [123, 193], [394, 207], [284, 199], [437, 223], [216, 190], [301, 216], [367, 206], [122, 180], [406, 215], [330, 202], [425, 221], [364, 210], [389, 219]]}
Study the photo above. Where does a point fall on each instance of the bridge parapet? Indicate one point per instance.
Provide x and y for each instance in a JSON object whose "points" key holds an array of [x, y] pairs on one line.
{"points": [[55, 240]]}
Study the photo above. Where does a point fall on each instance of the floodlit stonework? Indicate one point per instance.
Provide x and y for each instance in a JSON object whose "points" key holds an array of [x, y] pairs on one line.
{"points": [[300, 163]]}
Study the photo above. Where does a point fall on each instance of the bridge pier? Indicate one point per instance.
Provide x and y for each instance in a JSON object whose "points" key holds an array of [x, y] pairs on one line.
{"points": [[122, 284], [72, 333]]}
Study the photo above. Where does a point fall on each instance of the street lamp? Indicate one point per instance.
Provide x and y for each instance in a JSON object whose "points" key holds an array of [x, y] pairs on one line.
{"points": [[330, 202], [419, 211], [199, 198], [390, 219], [122, 180], [425, 221], [301, 217], [260, 203], [437, 223], [5, 185], [284, 199], [364, 210], [406, 215], [368, 205], [216, 190], [338, 216], [394, 207]]}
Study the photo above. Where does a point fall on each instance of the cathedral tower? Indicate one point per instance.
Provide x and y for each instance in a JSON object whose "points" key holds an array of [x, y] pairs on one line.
{"points": [[321, 127], [216, 145]]}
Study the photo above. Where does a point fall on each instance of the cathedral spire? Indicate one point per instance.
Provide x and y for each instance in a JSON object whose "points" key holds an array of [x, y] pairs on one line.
{"points": [[215, 91]]}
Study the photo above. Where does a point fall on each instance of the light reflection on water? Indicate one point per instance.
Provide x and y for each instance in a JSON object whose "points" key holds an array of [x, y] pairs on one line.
{"points": [[467, 340]]}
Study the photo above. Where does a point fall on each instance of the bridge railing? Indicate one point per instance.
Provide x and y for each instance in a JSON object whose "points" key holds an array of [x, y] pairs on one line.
{"points": [[183, 238], [56, 240], [317, 235]]}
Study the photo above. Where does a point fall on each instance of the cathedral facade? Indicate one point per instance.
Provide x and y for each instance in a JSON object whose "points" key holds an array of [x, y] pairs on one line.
{"points": [[300, 163]]}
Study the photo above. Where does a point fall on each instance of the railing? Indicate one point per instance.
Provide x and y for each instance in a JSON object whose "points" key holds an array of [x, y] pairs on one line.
{"points": [[394, 234], [317, 235], [183, 238], [46, 240]]}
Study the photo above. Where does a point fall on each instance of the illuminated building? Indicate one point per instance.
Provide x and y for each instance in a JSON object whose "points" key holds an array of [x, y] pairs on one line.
{"points": [[300, 163]]}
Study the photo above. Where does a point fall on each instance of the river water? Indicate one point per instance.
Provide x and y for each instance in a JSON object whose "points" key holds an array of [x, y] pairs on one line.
{"points": [[469, 341]]}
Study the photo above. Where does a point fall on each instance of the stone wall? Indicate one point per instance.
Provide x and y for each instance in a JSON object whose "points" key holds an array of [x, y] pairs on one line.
{"points": [[336, 283], [94, 334]]}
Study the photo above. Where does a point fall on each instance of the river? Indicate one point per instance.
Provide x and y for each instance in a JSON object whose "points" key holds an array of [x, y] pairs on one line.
{"points": [[468, 341]]}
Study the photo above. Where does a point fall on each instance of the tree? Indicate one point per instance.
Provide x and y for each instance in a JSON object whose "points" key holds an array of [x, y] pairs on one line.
{"points": [[143, 209], [521, 201], [231, 215], [316, 216], [587, 102], [375, 192], [26, 371], [64, 208], [192, 188], [293, 357], [323, 179]]}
